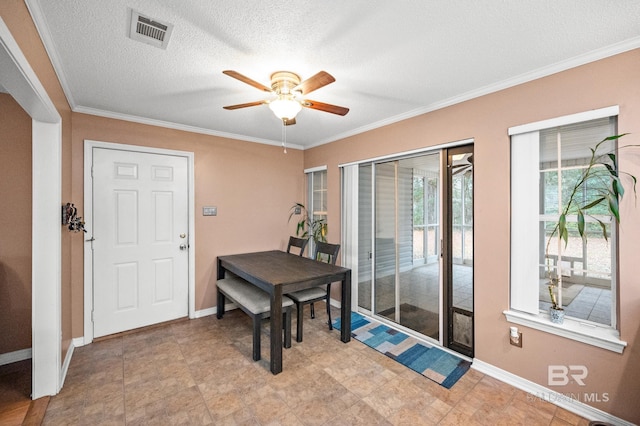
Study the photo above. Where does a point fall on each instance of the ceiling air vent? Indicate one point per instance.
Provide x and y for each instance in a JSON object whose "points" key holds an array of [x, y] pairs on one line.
{"points": [[150, 31]]}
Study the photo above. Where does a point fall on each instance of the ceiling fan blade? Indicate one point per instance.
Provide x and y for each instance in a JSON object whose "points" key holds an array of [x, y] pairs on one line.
{"points": [[315, 82], [333, 109], [247, 80], [289, 122], [249, 104]]}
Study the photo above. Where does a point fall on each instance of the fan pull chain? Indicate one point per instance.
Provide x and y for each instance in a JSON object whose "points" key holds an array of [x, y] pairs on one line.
{"points": [[284, 136]]}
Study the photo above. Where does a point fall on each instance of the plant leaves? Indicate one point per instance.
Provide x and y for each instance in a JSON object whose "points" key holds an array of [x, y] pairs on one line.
{"points": [[563, 233], [593, 203], [562, 224], [613, 206], [612, 170], [581, 223], [618, 189], [604, 229], [565, 236], [614, 137]]}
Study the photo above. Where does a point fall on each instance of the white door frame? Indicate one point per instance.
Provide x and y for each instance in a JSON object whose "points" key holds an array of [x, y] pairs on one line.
{"points": [[88, 216], [19, 79]]}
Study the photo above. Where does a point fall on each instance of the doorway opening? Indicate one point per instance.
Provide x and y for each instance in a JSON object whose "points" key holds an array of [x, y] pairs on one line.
{"points": [[20, 81]]}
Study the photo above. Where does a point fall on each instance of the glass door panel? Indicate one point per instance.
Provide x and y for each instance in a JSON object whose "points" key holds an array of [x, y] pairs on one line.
{"points": [[459, 256], [365, 245], [385, 290], [419, 248], [407, 270]]}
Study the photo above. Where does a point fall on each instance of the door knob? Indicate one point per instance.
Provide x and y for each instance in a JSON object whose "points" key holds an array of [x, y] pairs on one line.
{"points": [[183, 246]]}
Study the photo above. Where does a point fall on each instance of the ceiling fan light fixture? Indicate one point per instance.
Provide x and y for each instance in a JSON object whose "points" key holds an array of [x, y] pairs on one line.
{"points": [[285, 109], [288, 91]]}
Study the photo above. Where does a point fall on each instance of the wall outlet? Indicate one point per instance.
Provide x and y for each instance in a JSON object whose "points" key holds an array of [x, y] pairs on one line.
{"points": [[209, 211], [516, 341]]}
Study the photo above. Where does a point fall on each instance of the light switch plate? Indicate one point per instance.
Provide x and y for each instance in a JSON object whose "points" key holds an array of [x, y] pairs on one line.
{"points": [[209, 211]]}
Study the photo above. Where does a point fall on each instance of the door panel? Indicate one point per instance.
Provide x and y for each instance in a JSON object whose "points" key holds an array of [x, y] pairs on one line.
{"points": [[385, 290], [126, 275], [458, 250], [140, 224], [406, 276], [365, 241]]}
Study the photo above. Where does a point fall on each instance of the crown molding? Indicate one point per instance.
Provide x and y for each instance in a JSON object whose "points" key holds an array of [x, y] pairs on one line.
{"points": [[176, 126]]}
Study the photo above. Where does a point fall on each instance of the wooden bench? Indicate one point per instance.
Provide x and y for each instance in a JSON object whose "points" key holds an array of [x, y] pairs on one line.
{"points": [[255, 303]]}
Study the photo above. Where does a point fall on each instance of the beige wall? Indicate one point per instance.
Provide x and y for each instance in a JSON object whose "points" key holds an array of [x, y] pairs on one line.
{"points": [[614, 81], [15, 226]]}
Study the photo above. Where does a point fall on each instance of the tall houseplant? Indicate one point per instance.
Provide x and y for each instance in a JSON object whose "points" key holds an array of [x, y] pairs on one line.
{"points": [[308, 226], [603, 170]]}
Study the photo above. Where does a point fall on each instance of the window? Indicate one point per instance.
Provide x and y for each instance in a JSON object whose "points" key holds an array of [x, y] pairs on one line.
{"points": [[586, 269], [546, 160], [317, 196]]}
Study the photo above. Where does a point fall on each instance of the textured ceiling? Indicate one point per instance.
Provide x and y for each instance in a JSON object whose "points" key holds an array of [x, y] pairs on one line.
{"points": [[391, 60]]}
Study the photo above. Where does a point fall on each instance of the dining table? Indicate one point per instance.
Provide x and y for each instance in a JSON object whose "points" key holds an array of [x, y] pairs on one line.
{"points": [[278, 273]]}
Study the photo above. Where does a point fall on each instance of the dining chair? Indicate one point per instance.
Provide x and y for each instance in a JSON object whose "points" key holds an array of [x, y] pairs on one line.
{"points": [[299, 243], [324, 252]]}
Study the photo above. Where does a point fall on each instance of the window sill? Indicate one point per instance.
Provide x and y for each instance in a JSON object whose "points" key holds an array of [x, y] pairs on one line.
{"points": [[606, 338]]}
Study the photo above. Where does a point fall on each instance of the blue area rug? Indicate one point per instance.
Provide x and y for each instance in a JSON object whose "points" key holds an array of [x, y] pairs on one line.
{"points": [[430, 361]]}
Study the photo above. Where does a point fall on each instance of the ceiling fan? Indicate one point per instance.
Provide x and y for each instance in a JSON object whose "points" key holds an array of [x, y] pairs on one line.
{"points": [[289, 91]]}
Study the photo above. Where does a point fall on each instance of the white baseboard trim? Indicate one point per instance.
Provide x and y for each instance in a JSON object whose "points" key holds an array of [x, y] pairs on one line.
{"points": [[15, 356], [568, 402], [212, 311], [205, 312]]}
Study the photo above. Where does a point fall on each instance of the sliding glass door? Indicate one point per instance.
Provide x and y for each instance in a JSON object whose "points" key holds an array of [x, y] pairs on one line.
{"points": [[413, 267]]}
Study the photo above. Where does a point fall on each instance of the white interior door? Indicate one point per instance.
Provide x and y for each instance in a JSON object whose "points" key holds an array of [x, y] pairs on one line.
{"points": [[140, 231]]}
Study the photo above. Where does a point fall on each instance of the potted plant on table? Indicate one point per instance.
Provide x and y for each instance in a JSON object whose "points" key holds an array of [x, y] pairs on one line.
{"points": [[602, 169]]}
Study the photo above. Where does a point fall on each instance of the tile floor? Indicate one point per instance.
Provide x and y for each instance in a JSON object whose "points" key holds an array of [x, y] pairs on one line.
{"points": [[201, 372]]}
